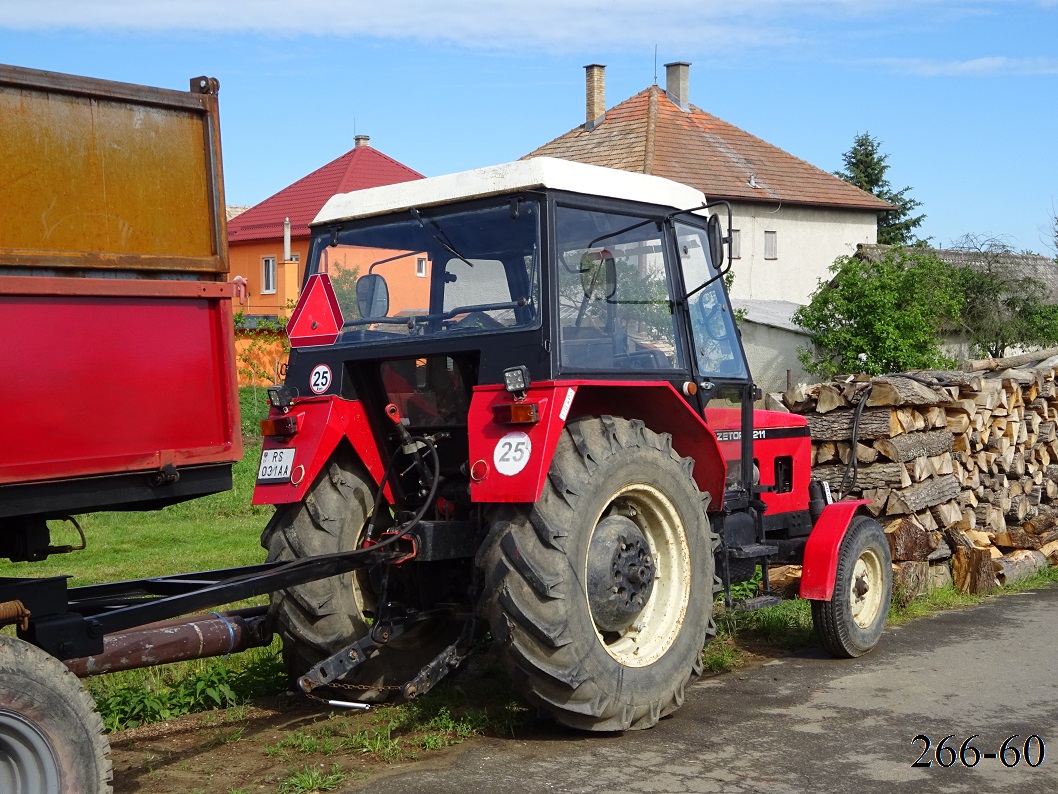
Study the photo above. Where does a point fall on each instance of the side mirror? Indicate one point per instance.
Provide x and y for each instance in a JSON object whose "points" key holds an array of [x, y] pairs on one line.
{"points": [[716, 241], [598, 274], [372, 296]]}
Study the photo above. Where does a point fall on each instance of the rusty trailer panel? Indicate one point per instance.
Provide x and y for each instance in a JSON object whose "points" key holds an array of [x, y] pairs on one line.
{"points": [[97, 174]]}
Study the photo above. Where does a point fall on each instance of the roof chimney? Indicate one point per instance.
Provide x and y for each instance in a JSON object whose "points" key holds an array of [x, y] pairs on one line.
{"points": [[361, 140], [677, 84], [594, 95]]}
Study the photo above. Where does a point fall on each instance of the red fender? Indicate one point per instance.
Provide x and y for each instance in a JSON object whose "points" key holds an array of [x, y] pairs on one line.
{"points": [[509, 462], [820, 565], [322, 423]]}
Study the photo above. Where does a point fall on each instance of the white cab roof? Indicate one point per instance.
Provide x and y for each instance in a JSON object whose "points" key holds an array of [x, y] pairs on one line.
{"points": [[538, 172]]}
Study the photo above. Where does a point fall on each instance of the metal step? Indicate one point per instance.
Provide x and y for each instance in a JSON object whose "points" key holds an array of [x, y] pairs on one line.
{"points": [[752, 550], [757, 602]]}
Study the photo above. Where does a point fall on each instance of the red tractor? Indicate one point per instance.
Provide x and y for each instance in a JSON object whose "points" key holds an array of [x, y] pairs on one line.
{"points": [[518, 402]]}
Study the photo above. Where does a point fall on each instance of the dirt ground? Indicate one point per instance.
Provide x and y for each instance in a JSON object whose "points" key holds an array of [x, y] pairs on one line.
{"points": [[256, 748], [234, 750]]}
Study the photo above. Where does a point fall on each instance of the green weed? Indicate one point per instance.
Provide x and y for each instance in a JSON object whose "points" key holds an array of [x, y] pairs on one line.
{"points": [[309, 779]]}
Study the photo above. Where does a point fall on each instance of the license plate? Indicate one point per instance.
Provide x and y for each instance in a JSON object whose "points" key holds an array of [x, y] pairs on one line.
{"points": [[275, 465]]}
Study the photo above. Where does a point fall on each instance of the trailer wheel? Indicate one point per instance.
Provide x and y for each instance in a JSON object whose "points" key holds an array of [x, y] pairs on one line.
{"points": [[51, 736], [317, 619], [599, 596], [851, 623]]}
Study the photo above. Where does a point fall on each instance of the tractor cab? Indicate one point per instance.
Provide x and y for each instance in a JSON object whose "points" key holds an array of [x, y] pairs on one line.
{"points": [[542, 270]]}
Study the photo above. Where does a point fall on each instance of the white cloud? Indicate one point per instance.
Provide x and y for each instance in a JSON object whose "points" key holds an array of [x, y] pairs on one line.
{"points": [[701, 27], [561, 24], [975, 67]]}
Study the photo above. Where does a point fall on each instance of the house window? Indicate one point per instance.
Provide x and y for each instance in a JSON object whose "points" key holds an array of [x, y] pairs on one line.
{"points": [[771, 245], [268, 275], [736, 244], [420, 267]]}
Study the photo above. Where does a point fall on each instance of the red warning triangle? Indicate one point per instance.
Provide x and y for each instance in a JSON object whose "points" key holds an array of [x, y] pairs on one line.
{"points": [[317, 319]]}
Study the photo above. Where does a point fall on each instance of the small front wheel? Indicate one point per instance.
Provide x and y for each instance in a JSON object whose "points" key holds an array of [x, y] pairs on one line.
{"points": [[851, 622]]}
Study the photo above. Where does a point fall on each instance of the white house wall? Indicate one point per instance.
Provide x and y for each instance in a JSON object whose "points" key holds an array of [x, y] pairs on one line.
{"points": [[772, 356], [808, 240]]}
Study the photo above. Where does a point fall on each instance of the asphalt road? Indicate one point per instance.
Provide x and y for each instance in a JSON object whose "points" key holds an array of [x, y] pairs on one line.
{"points": [[810, 723]]}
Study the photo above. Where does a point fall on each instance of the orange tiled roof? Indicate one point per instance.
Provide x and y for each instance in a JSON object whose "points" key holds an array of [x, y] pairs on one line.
{"points": [[361, 167], [649, 134]]}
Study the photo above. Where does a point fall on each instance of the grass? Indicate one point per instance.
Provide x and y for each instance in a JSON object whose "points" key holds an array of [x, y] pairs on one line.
{"points": [[309, 779], [789, 625]]}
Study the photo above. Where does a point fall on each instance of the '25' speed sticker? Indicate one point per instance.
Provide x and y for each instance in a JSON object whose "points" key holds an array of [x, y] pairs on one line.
{"points": [[512, 453], [320, 378]]}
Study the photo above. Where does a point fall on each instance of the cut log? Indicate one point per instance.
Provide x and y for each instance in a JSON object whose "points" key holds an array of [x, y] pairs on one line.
{"points": [[967, 379], [877, 503], [942, 464], [864, 453], [785, 580], [923, 495], [1018, 565], [943, 550], [972, 571], [1015, 538], [940, 576], [920, 469], [935, 417], [903, 448], [992, 364], [837, 425], [909, 540], [910, 580], [797, 399], [947, 513], [877, 475], [895, 391], [1050, 551], [826, 452], [957, 423], [830, 398]]}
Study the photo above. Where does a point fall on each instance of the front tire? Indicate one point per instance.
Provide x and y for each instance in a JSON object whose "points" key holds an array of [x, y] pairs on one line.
{"points": [[51, 735], [599, 596], [317, 619], [851, 623]]}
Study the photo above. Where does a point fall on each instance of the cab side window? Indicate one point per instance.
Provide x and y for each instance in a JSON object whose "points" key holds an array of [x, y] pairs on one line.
{"points": [[614, 295]]}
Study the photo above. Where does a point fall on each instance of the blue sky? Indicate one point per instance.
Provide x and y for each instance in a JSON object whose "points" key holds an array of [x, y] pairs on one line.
{"points": [[963, 94]]}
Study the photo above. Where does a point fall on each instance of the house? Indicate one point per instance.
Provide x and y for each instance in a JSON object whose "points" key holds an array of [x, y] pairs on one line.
{"points": [[256, 236], [791, 220]]}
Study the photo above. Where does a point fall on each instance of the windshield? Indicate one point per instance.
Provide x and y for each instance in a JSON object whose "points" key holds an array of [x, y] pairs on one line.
{"points": [[447, 271]]}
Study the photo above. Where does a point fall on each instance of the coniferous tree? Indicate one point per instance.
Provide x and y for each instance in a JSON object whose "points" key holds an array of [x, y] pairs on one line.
{"points": [[865, 167]]}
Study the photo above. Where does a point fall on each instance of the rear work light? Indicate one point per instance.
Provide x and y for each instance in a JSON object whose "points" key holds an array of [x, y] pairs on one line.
{"points": [[280, 426], [521, 413]]}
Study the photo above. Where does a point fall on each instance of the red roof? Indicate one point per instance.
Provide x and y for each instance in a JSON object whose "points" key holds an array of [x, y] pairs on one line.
{"points": [[649, 134], [360, 167]]}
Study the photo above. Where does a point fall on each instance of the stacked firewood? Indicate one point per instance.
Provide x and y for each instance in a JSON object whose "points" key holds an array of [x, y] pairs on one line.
{"points": [[961, 468]]}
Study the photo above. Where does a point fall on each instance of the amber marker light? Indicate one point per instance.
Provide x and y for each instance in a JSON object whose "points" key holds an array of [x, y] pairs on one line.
{"points": [[283, 426], [524, 413]]}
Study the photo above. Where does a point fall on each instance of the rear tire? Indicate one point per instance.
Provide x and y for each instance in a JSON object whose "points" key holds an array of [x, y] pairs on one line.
{"points": [[51, 735], [851, 623], [317, 619], [614, 490]]}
